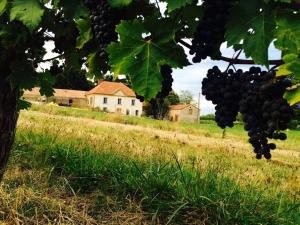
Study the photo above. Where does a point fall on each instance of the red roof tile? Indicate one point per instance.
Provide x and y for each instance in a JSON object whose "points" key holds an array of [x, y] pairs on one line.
{"points": [[181, 106], [110, 88]]}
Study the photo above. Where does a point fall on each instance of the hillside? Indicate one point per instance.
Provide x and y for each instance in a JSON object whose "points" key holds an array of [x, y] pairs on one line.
{"points": [[73, 166]]}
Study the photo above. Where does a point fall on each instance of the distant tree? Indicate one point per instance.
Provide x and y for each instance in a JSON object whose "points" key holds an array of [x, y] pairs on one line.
{"points": [[173, 98], [157, 108], [70, 78], [186, 97]]}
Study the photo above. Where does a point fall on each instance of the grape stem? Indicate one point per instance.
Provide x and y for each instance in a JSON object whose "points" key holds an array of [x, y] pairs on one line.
{"points": [[235, 61], [234, 58]]}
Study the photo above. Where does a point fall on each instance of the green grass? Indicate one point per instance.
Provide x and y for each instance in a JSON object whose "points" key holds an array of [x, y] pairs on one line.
{"points": [[207, 128], [74, 171]]}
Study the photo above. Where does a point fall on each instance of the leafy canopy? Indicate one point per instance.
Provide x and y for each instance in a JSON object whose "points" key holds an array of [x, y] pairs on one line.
{"points": [[148, 38]]}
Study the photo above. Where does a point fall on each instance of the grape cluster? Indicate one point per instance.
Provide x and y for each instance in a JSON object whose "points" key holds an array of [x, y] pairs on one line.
{"points": [[258, 96], [224, 90], [104, 20], [166, 72], [265, 112], [211, 30]]}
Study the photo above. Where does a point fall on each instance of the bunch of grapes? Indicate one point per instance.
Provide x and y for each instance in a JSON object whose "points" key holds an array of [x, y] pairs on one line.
{"points": [[265, 112], [104, 20], [258, 96], [211, 30], [224, 90]]}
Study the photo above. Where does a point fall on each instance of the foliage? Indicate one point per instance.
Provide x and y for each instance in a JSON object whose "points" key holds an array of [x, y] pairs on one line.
{"points": [[157, 108], [73, 79], [186, 97], [173, 98], [148, 39]]}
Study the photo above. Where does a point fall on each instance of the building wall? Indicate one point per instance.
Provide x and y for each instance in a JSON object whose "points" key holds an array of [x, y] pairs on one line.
{"points": [[97, 101], [73, 102], [185, 115]]}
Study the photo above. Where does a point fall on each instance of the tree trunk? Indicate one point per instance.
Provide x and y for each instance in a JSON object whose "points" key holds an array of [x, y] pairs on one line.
{"points": [[8, 120]]}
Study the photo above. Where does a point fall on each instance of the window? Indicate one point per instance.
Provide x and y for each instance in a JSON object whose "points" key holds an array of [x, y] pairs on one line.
{"points": [[70, 101], [119, 110], [105, 100], [191, 111], [119, 101], [136, 112], [104, 109], [133, 102], [127, 112]]}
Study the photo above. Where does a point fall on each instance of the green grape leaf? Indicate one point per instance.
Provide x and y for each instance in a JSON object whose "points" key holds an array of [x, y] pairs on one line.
{"points": [[30, 12], [72, 60], [22, 104], [239, 21], [95, 64], [2, 6], [85, 32], [293, 96], [288, 33], [290, 67], [22, 75], [74, 9], [46, 83], [176, 4], [259, 19], [119, 3], [141, 58]]}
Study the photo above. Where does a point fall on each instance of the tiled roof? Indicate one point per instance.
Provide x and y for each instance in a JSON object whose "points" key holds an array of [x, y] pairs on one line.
{"points": [[110, 88], [59, 93], [178, 107], [181, 106]]}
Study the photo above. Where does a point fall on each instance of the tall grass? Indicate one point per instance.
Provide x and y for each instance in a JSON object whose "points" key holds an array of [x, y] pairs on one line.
{"points": [[167, 181]]}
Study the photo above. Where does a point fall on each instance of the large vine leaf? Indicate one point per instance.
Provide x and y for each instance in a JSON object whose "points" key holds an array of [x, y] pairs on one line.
{"points": [[74, 9], [252, 22], [288, 33], [85, 32], [30, 12], [2, 6], [176, 4], [94, 63], [293, 96], [141, 58], [119, 3], [291, 66]]}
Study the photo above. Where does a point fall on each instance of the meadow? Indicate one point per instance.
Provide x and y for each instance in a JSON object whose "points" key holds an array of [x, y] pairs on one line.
{"points": [[74, 166]]}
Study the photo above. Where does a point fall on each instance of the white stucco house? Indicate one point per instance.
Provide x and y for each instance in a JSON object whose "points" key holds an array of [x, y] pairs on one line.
{"points": [[114, 97]]}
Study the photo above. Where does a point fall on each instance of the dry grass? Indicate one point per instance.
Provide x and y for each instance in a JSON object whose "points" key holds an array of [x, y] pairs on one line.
{"points": [[80, 171]]}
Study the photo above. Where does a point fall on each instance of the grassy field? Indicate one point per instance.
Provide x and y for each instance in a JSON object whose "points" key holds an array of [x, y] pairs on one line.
{"points": [[72, 166]]}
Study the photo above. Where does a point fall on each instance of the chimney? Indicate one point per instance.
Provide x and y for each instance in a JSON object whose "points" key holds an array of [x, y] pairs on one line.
{"points": [[100, 81]]}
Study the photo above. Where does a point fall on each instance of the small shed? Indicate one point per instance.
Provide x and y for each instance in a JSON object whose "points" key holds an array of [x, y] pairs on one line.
{"points": [[184, 113]]}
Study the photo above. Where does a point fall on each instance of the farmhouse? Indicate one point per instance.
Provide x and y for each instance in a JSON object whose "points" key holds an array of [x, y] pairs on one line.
{"points": [[63, 97], [114, 97], [184, 113]]}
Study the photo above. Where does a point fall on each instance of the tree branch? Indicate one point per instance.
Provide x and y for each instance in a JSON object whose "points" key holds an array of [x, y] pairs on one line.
{"points": [[47, 60], [235, 61]]}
